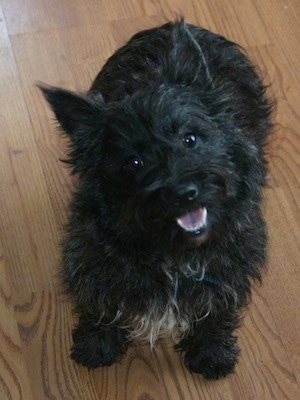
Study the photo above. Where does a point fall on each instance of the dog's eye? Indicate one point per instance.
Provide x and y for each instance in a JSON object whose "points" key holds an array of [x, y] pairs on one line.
{"points": [[190, 140], [134, 164]]}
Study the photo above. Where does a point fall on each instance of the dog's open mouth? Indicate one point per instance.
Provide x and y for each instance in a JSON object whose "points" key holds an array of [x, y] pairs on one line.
{"points": [[194, 221]]}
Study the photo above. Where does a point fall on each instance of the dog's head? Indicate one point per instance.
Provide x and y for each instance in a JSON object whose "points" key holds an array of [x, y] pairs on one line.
{"points": [[161, 163]]}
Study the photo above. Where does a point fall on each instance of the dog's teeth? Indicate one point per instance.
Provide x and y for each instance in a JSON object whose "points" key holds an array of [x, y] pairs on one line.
{"points": [[194, 220]]}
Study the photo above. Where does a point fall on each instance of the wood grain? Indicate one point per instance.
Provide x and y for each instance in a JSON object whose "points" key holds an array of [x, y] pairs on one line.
{"points": [[14, 382], [65, 43]]}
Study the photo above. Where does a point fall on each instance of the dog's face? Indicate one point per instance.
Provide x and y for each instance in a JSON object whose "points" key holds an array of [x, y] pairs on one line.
{"points": [[165, 167]]}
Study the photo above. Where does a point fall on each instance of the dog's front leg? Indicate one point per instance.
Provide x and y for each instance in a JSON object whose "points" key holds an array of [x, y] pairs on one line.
{"points": [[97, 344], [210, 348]]}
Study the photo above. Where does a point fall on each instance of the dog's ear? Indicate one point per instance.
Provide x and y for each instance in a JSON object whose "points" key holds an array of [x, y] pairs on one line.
{"points": [[81, 118], [74, 112], [188, 55]]}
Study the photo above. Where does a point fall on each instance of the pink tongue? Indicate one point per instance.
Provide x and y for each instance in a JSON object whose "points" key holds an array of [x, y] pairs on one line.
{"points": [[192, 220]]}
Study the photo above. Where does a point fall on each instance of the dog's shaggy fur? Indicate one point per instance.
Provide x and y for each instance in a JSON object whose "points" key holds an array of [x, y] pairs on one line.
{"points": [[165, 232]]}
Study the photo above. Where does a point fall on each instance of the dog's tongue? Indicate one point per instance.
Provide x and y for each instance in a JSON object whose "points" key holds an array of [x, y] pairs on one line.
{"points": [[193, 220]]}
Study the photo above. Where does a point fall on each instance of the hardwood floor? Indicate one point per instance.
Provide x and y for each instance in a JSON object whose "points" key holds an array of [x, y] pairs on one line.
{"points": [[64, 43]]}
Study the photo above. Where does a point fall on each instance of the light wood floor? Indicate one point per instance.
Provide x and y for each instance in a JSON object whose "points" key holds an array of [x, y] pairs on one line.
{"points": [[65, 43]]}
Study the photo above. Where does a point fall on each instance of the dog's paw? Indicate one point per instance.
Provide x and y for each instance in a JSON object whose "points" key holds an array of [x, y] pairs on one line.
{"points": [[213, 362], [98, 348]]}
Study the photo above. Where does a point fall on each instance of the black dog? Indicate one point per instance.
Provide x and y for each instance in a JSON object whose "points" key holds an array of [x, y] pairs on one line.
{"points": [[165, 232]]}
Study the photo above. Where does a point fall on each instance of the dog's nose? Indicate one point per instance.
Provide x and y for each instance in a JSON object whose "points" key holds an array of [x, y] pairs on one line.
{"points": [[186, 194]]}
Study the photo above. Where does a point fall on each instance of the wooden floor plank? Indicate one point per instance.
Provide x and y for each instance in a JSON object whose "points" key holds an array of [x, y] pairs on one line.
{"points": [[37, 15], [14, 380]]}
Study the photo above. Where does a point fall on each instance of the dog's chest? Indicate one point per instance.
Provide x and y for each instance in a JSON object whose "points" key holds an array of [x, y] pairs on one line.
{"points": [[171, 305], [159, 322], [164, 316]]}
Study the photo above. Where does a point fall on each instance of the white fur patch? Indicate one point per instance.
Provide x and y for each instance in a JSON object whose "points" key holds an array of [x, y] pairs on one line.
{"points": [[167, 322], [161, 324]]}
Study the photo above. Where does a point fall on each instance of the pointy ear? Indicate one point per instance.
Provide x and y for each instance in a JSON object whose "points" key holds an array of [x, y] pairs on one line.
{"points": [[76, 114], [81, 118], [188, 56]]}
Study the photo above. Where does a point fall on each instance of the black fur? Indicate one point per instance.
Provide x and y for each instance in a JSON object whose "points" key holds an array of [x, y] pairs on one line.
{"points": [[174, 125]]}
